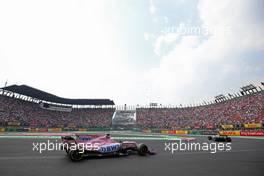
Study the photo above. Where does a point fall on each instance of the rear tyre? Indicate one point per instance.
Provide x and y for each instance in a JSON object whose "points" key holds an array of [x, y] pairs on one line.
{"points": [[228, 139], [67, 152], [75, 155], [142, 149]]}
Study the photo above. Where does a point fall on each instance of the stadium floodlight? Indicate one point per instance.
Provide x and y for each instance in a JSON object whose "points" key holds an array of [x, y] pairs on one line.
{"points": [[248, 89], [230, 95], [153, 104], [220, 98]]}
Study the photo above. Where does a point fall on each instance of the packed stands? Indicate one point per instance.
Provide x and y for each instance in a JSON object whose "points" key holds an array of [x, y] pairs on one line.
{"points": [[16, 112], [233, 113], [24, 106], [28, 110]]}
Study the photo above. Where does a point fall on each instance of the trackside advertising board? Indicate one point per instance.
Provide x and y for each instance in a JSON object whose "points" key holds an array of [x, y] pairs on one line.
{"points": [[241, 133], [253, 125], [229, 133], [251, 133]]}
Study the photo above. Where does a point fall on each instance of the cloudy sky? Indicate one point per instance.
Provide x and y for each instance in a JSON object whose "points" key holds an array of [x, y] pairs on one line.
{"points": [[133, 51]]}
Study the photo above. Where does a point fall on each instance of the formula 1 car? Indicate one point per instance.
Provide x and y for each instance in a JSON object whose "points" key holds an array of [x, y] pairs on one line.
{"points": [[218, 138], [80, 146]]}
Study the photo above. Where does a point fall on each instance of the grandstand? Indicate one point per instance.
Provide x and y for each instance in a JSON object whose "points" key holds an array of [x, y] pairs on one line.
{"points": [[24, 106], [28, 93], [27, 107], [233, 113]]}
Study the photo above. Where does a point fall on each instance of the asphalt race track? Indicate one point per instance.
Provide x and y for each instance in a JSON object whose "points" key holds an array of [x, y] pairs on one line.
{"points": [[246, 158]]}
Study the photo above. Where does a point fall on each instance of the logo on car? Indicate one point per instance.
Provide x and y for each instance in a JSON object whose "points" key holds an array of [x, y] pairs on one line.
{"points": [[109, 148]]}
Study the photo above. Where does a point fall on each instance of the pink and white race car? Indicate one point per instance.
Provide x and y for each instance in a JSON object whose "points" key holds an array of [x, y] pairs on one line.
{"points": [[80, 146]]}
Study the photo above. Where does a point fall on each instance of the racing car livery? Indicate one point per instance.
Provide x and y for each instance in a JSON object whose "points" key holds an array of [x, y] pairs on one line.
{"points": [[220, 138], [80, 146]]}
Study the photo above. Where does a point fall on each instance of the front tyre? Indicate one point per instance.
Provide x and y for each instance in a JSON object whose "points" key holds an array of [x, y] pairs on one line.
{"points": [[75, 155], [142, 149]]}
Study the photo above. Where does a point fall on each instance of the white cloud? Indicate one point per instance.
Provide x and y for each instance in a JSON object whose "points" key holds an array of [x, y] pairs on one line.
{"points": [[166, 19], [76, 50], [146, 36], [152, 8], [164, 39], [198, 68], [62, 47]]}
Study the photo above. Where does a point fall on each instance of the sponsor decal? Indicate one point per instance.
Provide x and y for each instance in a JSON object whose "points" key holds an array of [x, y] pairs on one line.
{"points": [[109, 148], [85, 138], [252, 133], [164, 131], [252, 125], [229, 133], [227, 126], [54, 130], [181, 132]]}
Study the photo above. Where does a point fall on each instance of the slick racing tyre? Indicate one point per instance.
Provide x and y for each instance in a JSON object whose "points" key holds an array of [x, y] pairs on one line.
{"points": [[228, 139], [75, 155], [142, 149], [67, 151]]}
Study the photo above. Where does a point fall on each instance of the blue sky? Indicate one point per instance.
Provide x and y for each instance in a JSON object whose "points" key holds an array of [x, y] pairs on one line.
{"points": [[133, 51]]}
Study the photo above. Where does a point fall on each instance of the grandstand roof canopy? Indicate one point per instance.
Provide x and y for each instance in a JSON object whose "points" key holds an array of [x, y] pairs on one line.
{"points": [[41, 95]]}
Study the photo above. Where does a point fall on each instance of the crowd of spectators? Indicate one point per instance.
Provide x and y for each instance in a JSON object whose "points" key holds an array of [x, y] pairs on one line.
{"points": [[16, 112], [237, 111]]}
